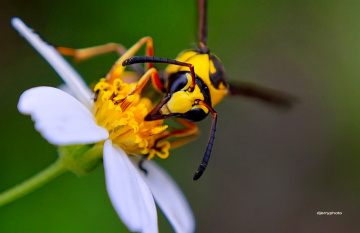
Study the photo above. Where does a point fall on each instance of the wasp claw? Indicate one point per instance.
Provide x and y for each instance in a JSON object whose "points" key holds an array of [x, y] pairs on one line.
{"points": [[141, 163]]}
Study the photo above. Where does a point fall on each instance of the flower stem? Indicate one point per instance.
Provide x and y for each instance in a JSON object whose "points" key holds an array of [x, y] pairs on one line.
{"points": [[32, 183]]}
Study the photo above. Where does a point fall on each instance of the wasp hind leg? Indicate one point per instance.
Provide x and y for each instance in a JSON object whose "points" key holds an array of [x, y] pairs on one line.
{"points": [[267, 95], [87, 53], [83, 54]]}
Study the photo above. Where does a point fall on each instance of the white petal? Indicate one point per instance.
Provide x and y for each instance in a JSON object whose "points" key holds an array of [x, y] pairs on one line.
{"points": [[59, 117], [169, 198], [60, 65], [67, 89], [128, 192]]}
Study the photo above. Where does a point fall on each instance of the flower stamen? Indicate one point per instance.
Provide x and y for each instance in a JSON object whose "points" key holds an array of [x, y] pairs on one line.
{"points": [[121, 111]]}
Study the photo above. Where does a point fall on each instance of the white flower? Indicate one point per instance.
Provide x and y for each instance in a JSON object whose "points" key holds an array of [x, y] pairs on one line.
{"points": [[65, 120]]}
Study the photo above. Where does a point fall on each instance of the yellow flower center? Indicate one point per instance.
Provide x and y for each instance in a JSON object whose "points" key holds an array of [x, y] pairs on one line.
{"points": [[123, 113]]}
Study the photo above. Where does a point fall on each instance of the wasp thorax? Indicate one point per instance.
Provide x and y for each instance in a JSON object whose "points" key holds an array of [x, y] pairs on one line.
{"points": [[122, 114]]}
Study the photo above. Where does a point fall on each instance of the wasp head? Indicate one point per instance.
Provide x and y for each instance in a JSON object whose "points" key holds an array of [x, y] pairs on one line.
{"points": [[180, 100]]}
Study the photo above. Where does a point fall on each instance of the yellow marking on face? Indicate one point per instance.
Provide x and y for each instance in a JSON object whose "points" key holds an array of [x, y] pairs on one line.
{"points": [[205, 109], [165, 110], [189, 81], [183, 101]]}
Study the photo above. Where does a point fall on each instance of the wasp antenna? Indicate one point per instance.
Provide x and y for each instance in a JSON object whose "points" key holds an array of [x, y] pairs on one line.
{"points": [[207, 154], [203, 29], [147, 59]]}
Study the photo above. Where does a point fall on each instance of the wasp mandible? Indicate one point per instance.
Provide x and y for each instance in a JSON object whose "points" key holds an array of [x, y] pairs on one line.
{"points": [[192, 84]]}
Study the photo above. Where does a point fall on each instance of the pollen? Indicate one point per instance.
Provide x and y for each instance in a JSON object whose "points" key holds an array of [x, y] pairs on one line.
{"points": [[122, 113]]}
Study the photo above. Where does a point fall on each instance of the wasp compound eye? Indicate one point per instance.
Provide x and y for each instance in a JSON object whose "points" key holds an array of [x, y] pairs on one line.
{"points": [[177, 82]]}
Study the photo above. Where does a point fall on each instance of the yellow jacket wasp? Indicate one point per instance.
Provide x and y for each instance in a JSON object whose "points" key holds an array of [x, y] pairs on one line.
{"points": [[192, 84]]}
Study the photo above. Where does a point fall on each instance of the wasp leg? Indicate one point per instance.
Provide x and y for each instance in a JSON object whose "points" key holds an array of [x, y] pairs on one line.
{"points": [[189, 133], [154, 75], [151, 73], [118, 69], [183, 141], [87, 53], [184, 136], [267, 95], [141, 163]]}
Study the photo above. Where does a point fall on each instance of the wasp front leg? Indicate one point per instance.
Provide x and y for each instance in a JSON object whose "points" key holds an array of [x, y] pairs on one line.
{"points": [[189, 132], [270, 96], [183, 136], [150, 74]]}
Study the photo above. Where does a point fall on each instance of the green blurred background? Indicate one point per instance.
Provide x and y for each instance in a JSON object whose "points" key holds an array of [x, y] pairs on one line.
{"points": [[271, 171]]}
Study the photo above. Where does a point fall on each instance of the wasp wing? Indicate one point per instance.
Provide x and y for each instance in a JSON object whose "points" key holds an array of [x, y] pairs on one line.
{"points": [[267, 95]]}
